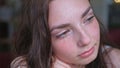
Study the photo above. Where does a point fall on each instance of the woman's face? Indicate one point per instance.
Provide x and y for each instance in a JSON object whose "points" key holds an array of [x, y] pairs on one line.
{"points": [[74, 31]]}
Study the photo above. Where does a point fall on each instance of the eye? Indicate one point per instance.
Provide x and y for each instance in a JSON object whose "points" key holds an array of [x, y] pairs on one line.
{"points": [[62, 34], [89, 19]]}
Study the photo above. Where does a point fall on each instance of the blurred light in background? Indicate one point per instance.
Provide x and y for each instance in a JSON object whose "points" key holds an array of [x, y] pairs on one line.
{"points": [[117, 1]]}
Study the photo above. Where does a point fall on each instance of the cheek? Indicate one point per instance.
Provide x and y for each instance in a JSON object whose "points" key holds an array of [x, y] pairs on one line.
{"points": [[94, 30], [60, 46], [63, 47]]}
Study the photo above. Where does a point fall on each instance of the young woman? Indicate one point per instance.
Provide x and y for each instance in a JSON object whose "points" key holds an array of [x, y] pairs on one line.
{"points": [[62, 34]]}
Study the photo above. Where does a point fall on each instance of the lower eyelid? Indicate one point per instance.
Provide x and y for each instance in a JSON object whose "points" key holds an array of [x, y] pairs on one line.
{"points": [[63, 34], [89, 18]]}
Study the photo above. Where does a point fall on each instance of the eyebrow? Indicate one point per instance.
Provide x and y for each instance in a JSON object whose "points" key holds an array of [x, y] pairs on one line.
{"points": [[66, 25], [86, 11], [60, 26]]}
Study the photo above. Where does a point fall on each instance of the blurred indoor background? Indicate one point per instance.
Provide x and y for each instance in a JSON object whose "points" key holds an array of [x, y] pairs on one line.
{"points": [[107, 11]]}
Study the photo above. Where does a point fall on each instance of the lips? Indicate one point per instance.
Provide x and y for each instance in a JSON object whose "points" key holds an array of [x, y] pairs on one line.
{"points": [[87, 53]]}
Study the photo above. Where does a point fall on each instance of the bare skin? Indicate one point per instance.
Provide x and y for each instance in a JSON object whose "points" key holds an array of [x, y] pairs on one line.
{"points": [[75, 36], [75, 32]]}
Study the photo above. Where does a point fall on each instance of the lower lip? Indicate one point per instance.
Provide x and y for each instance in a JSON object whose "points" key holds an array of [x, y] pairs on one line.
{"points": [[87, 53]]}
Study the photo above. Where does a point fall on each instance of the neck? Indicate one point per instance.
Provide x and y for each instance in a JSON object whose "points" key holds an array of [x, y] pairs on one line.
{"points": [[60, 64]]}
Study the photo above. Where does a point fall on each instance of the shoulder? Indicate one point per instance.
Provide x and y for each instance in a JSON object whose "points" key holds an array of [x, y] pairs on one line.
{"points": [[114, 57], [19, 62]]}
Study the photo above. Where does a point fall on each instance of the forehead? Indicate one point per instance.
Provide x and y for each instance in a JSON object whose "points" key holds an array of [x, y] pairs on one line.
{"points": [[69, 2], [61, 11], [65, 6]]}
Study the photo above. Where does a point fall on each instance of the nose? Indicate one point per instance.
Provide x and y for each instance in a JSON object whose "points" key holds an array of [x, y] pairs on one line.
{"points": [[83, 38]]}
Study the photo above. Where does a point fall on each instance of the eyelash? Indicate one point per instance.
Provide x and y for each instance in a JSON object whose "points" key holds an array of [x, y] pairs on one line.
{"points": [[88, 20], [63, 34]]}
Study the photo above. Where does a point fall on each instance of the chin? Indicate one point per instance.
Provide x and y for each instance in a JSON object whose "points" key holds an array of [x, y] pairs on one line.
{"points": [[90, 60]]}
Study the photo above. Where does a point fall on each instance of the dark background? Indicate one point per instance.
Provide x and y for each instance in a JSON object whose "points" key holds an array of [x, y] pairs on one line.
{"points": [[9, 12]]}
